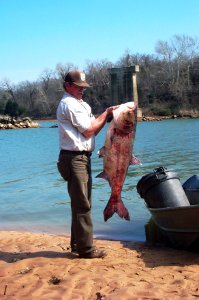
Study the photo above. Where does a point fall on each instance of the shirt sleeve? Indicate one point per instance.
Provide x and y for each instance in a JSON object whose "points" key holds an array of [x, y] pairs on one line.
{"points": [[80, 117]]}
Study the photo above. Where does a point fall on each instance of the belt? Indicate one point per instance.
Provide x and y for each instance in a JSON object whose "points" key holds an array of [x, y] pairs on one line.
{"points": [[87, 153]]}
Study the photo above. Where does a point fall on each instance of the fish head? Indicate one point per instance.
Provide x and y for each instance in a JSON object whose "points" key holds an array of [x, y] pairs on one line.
{"points": [[125, 117]]}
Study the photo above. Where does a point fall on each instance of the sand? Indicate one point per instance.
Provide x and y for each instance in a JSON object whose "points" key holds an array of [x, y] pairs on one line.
{"points": [[40, 266]]}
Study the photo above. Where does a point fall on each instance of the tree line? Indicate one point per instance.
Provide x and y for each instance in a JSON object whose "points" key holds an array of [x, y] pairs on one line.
{"points": [[168, 82]]}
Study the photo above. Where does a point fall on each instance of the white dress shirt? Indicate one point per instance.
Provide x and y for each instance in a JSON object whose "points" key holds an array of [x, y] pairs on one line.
{"points": [[74, 117]]}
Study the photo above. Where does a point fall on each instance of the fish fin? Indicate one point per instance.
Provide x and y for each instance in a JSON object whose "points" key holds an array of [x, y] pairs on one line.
{"points": [[101, 152], [102, 175], [135, 161], [115, 206]]}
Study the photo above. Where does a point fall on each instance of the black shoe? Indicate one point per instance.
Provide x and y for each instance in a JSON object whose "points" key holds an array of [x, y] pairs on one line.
{"points": [[73, 250], [94, 254]]}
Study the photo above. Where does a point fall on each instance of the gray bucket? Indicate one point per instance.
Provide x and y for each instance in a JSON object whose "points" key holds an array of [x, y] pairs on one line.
{"points": [[162, 188]]}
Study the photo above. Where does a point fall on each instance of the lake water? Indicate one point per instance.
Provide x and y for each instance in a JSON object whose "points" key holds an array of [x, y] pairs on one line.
{"points": [[34, 198]]}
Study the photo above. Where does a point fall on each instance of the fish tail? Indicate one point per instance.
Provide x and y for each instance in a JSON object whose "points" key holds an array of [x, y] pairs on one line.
{"points": [[116, 206]]}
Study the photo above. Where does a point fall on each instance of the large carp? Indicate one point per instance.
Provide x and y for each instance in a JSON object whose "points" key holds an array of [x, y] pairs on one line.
{"points": [[117, 156]]}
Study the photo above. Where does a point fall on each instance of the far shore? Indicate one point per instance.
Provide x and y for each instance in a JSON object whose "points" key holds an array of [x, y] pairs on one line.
{"points": [[144, 118], [7, 122]]}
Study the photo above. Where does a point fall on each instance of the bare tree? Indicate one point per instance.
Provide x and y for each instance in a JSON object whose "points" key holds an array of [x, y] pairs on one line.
{"points": [[9, 88], [98, 76], [62, 69], [45, 78], [166, 52], [27, 93]]}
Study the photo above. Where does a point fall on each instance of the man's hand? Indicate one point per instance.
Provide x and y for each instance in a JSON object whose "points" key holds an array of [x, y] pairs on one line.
{"points": [[98, 123], [110, 109]]}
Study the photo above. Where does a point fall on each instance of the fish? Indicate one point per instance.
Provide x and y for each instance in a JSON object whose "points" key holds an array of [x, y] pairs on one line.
{"points": [[117, 156]]}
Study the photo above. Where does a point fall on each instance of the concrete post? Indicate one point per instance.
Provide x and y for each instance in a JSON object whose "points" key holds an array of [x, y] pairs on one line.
{"points": [[124, 86]]}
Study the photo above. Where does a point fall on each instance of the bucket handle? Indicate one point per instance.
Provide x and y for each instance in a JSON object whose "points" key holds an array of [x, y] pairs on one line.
{"points": [[160, 173], [160, 169]]}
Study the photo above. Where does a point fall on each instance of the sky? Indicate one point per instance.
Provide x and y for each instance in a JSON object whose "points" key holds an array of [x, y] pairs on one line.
{"points": [[36, 35]]}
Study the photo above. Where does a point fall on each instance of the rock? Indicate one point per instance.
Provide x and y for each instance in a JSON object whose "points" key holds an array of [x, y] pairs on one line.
{"points": [[7, 122]]}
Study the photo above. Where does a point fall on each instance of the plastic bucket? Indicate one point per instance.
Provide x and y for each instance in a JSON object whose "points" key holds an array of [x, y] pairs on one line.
{"points": [[162, 188]]}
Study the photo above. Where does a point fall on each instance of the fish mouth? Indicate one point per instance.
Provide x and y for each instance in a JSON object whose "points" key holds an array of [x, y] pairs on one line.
{"points": [[132, 108]]}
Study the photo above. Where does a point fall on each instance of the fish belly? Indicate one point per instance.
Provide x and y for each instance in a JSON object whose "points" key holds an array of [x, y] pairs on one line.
{"points": [[116, 164]]}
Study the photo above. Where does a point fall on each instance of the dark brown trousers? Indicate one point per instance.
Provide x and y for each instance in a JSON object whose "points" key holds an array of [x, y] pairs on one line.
{"points": [[75, 168]]}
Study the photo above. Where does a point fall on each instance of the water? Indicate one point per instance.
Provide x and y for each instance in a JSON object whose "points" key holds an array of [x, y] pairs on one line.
{"points": [[33, 197]]}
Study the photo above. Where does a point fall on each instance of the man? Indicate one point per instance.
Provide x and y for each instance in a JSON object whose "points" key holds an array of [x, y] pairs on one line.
{"points": [[77, 130]]}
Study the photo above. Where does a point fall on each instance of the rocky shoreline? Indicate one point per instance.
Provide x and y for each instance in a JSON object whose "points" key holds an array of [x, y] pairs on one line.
{"points": [[182, 114], [7, 122], [160, 118]]}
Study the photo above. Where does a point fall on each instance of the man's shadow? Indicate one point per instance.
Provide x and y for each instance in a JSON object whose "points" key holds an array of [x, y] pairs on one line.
{"points": [[11, 257]]}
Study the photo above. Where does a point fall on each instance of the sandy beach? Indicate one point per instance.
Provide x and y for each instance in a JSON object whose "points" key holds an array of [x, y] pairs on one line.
{"points": [[40, 266]]}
